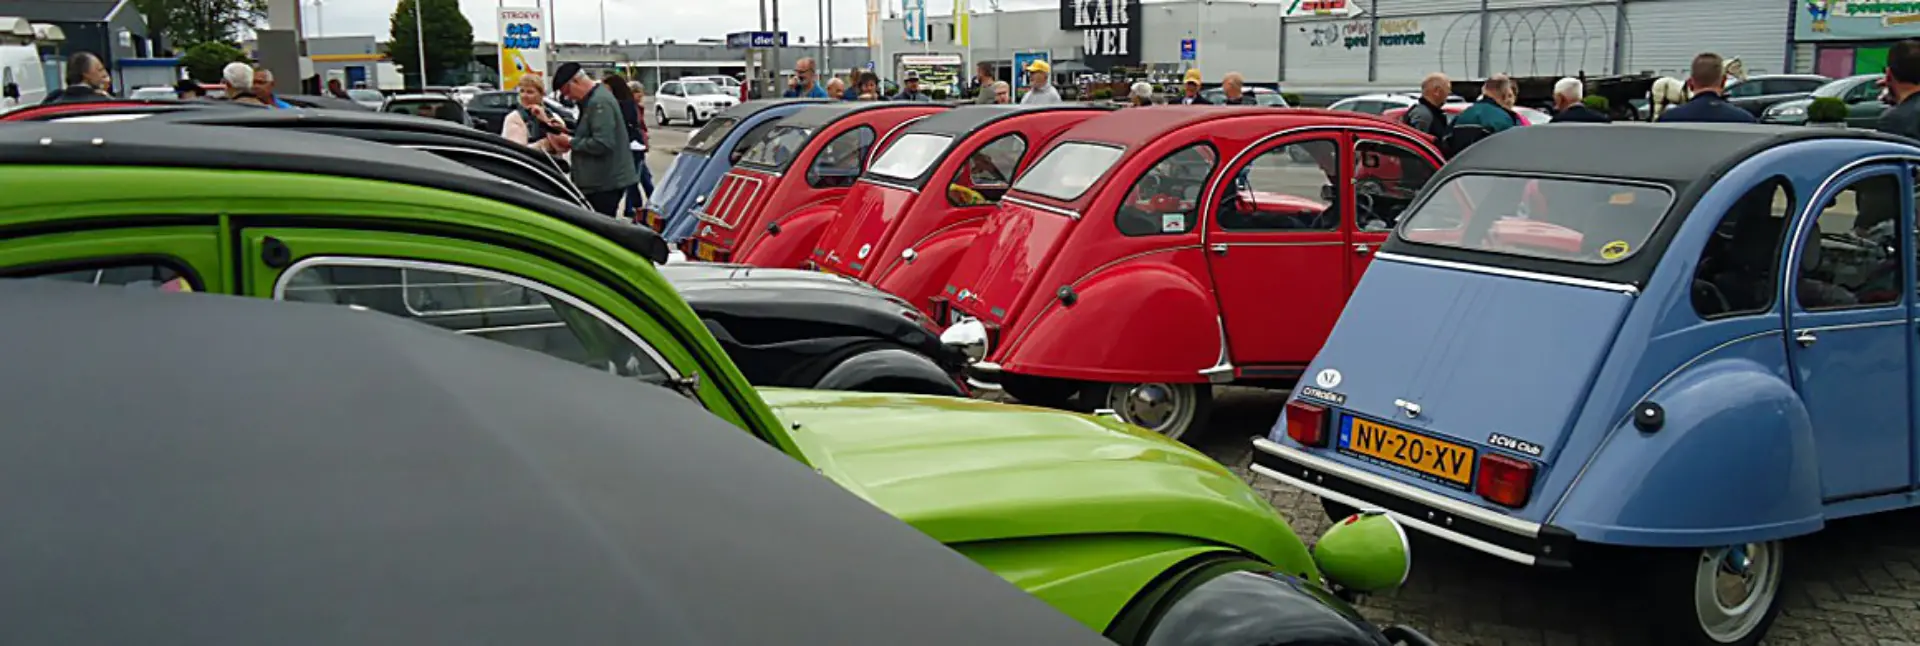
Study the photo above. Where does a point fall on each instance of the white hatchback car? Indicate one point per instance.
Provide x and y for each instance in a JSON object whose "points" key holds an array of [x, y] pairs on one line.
{"points": [[692, 100], [1382, 103]]}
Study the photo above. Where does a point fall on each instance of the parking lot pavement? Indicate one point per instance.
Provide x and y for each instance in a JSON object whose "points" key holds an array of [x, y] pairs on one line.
{"points": [[1856, 583]]}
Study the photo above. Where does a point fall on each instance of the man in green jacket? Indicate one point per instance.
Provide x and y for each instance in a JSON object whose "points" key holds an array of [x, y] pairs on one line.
{"points": [[1494, 110], [602, 164]]}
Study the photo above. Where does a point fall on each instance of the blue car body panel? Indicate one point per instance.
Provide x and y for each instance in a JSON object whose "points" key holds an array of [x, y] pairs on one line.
{"points": [[693, 174], [1760, 436]]}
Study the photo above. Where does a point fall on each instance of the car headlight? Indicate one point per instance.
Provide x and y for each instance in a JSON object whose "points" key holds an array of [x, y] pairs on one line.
{"points": [[1786, 111], [1242, 602], [969, 336]]}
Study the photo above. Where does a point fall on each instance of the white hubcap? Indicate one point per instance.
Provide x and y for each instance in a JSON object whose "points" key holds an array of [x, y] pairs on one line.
{"points": [[1733, 588]]}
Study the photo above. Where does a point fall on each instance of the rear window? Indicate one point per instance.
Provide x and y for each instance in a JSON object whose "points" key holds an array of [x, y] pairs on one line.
{"points": [[709, 136], [911, 156], [778, 149], [1583, 221], [1068, 170]]}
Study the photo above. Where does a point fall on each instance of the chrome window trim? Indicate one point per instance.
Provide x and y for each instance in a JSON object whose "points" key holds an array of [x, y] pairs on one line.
{"points": [[1511, 273], [880, 182], [1807, 218], [280, 291], [1042, 207]]}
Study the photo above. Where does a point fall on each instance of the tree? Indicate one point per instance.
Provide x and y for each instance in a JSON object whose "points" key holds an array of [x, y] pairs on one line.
{"points": [[448, 34], [185, 23], [205, 60]]}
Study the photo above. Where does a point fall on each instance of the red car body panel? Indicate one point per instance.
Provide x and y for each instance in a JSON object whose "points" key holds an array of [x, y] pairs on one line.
{"points": [[1065, 294], [882, 220], [49, 111], [750, 206]]}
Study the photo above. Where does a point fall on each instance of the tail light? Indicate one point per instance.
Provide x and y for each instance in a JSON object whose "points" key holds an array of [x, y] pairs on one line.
{"points": [[1504, 480], [1307, 423]]}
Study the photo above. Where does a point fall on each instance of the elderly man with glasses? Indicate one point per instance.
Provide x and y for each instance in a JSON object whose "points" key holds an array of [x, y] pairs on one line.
{"points": [[603, 165], [804, 84]]}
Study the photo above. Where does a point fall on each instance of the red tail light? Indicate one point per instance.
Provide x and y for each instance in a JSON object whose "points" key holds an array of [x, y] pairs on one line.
{"points": [[1505, 480], [1307, 423]]}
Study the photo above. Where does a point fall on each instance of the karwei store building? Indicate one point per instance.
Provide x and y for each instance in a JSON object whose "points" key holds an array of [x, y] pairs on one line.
{"points": [[1337, 47]]}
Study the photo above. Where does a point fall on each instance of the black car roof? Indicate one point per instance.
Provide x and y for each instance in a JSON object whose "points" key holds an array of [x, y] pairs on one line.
{"points": [[814, 116], [263, 149], [968, 118], [388, 482], [744, 110], [1669, 153]]}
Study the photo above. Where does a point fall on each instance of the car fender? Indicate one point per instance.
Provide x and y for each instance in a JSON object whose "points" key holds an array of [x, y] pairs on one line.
{"points": [[1089, 578], [934, 259], [786, 241], [1149, 318], [890, 370], [1731, 460]]}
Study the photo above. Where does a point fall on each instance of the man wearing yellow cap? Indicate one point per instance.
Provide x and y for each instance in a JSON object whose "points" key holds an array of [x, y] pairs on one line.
{"points": [[1192, 89], [1040, 84]]}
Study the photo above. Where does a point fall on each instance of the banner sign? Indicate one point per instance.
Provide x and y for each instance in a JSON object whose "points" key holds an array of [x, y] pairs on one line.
{"points": [[873, 24], [935, 71], [1857, 20], [752, 39], [913, 17], [962, 24], [1311, 8], [1109, 30], [523, 47]]}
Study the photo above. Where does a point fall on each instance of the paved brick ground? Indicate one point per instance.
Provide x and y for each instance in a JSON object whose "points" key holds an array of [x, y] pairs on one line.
{"points": [[1856, 583]]}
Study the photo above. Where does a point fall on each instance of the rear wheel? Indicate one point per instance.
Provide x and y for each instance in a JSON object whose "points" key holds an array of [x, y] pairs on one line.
{"points": [[1039, 391], [1173, 410], [660, 115], [1721, 595]]}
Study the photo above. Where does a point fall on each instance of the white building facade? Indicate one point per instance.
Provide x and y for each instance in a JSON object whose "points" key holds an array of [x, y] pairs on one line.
{"points": [[1388, 44]]}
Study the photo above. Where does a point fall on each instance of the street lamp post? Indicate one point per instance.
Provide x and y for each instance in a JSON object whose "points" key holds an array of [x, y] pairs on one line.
{"points": [[420, 42]]}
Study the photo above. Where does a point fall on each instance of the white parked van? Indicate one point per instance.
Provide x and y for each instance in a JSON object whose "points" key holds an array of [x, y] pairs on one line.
{"points": [[22, 80]]}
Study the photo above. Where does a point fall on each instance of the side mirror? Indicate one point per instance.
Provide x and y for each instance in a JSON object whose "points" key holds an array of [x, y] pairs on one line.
{"points": [[1365, 552]]}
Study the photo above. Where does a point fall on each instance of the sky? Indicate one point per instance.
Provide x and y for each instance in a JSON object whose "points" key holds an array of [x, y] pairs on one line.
{"points": [[634, 20]]}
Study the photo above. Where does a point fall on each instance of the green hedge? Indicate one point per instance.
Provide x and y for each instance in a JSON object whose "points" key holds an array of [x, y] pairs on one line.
{"points": [[1827, 109], [1598, 103]]}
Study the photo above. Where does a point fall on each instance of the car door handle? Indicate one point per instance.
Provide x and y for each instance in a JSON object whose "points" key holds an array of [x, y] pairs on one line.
{"points": [[1218, 248], [1362, 249], [1806, 338]]}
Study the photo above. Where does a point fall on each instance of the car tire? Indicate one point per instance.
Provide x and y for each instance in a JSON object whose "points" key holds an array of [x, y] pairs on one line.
{"points": [[1690, 606], [1337, 511], [1178, 411], [1040, 391], [660, 115], [692, 118]]}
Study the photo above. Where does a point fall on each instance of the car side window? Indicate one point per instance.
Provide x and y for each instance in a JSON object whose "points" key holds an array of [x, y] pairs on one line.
{"points": [[752, 138], [841, 160], [1735, 274], [480, 303], [1863, 91], [1166, 199], [1289, 188], [1853, 256], [988, 172], [1751, 88], [131, 274], [1386, 178]]}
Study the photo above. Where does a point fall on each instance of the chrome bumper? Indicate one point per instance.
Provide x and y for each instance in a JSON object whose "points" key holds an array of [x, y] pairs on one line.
{"points": [[1481, 530]]}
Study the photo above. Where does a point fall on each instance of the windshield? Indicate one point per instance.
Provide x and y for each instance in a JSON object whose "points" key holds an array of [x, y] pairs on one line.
{"points": [[710, 135], [1269, 98], [1836, 88], [910, 157], [364, 95], [1585, 221], [695, 88], [778, 149], [1068, 170]]}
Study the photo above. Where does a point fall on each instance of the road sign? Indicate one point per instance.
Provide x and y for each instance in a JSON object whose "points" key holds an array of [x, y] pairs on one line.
{"points": [[870, 66], [1188, 48], [751, 39]]}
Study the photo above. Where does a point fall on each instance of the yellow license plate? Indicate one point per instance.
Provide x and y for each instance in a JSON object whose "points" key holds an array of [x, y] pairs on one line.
{"points": [[1451, 463], [653, 220], [705, 252]]}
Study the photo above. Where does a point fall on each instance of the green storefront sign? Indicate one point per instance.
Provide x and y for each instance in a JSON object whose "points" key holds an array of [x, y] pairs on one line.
{"points": [[1857, 20]]}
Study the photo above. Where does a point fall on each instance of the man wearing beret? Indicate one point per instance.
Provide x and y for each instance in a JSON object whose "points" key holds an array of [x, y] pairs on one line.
{"points": [[602, 165]]}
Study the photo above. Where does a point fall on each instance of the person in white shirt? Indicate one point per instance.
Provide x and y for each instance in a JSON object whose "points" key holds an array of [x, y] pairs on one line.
{"points": [[1040, 85], [531, 124]]}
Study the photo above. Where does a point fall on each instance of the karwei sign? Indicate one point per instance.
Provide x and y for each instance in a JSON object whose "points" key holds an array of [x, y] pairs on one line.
{"points": [[1109, 29]]}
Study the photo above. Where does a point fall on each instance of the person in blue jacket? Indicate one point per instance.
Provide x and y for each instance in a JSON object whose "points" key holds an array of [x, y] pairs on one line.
{"points": [[804, 83], [1708, 81], [1494, 110]]}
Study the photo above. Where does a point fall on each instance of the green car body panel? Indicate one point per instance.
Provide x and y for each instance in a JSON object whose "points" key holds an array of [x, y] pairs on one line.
{"points": [[1082, 511]]}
